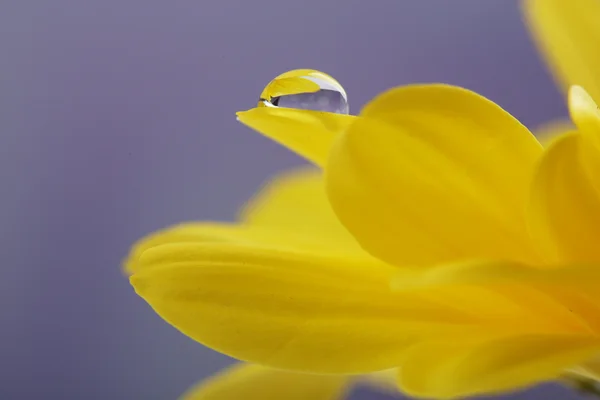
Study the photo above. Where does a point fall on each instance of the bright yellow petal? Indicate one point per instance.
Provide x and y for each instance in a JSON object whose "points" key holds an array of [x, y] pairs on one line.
{"points": [[434, 173], [288, 309], [568, 34], [448, 370], [308, 133], [253, 382], [564, 213]]}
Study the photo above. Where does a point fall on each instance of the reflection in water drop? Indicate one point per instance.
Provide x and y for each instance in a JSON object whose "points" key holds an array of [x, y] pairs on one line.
{"points": [[306, 89]]}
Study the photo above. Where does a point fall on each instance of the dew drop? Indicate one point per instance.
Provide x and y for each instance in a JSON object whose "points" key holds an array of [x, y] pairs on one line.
{"points": [[306, 89]]}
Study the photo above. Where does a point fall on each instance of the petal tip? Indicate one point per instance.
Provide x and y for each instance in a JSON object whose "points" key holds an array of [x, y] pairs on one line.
{"points": [[584, 110], [577, 94]]}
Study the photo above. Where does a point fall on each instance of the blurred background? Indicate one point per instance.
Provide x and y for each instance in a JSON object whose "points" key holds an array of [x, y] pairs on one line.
{"points": [[117, 118]]}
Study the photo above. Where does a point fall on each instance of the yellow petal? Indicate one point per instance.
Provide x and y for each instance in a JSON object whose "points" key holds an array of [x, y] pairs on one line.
{"points": [[558, 299], [564, 213], [247, 235], [447, 369], [568, 34], [296, 201], [585, 114], [188, 232], [288, 309], [253, 382], [308, 133], [434, 173]]}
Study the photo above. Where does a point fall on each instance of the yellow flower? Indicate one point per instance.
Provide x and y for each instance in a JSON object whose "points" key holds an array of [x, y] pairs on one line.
{"points": [[250, 381], [568, 35], [441, 239]]}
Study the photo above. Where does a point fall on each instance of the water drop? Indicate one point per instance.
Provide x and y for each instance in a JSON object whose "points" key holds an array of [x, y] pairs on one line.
{"points": [[306, 89]]}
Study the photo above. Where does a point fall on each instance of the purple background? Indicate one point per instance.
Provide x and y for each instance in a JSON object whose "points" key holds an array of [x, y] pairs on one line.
{"points": [[117, 118]]}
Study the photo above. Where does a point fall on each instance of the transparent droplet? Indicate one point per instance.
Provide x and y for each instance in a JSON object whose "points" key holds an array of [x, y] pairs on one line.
{"points": [[306, 89]]}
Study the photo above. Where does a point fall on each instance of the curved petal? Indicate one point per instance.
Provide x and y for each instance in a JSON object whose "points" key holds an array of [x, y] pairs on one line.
{"points": [[446, 370], [253, 382], [287, 238], [432, 174], [568, 34], [586, 115], [308, 133], [564, 212], [288, 309]]}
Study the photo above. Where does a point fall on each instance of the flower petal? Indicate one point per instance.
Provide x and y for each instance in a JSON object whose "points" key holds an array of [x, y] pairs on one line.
{"points": [[448, 370], [564, 213], [308, 133], [568, 34], [586, 114], [434, 173], [288, 309], [563, 298], [253, 382], [296, 201]]}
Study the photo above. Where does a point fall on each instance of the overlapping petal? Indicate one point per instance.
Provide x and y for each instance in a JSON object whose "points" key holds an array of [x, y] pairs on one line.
{"points": [[451, 369], [288, 309], [294, 291], [564, 213], [253, 382], [427, 175], [434, 173], [565, 298]]}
